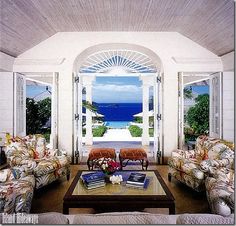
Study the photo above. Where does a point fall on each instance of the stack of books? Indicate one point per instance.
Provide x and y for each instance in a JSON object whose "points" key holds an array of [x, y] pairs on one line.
{"points": [[93, 180], [137, 180]]}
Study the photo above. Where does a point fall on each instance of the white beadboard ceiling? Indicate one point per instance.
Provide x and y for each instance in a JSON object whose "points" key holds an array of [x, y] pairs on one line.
{"points": [[25, 23]]}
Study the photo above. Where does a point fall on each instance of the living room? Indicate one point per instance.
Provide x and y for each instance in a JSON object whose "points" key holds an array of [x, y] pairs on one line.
{"points": [[142, 52]]}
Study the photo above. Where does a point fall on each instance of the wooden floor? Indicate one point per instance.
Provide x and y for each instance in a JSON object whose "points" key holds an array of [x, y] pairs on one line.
{"points": [[50, 197]]}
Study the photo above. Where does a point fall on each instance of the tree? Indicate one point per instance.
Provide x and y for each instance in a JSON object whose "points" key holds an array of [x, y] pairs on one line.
{"points": [[90, 106], [188, 94], [33, 123], [37, 114], [44, 110], [198, 115]]}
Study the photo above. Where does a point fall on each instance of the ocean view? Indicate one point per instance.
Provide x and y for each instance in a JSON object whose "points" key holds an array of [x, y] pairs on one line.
{"points": [[119, 111]]}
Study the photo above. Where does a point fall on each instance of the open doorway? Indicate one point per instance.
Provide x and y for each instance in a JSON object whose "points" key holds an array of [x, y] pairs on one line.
{"points": [[199, 107], [38, 108], [118, 62]]}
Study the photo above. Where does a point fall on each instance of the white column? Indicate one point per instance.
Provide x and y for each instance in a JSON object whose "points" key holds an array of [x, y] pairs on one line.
{"points": [[87, 82], [145, 134], [147, 80]]}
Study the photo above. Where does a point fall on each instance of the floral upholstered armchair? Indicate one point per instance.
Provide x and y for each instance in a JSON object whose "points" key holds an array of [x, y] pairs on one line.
{"points": [[16, 190], [193, 166], [31, 153]]}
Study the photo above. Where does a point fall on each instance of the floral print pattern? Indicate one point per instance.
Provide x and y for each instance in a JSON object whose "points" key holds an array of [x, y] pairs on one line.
{"points": [[16, 194], [193, 166], [220, 191]]}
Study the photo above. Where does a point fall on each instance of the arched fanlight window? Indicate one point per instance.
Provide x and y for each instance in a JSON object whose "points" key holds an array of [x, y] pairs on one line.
{"points": [[118, 61]]}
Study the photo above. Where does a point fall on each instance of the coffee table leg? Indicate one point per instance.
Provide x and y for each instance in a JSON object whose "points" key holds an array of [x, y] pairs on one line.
{"points": [[65, 209], [172, 209]]}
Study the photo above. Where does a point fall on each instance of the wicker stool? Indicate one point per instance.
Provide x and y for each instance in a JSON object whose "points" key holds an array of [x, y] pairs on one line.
{"points": [[133, 154], [97, 153]]}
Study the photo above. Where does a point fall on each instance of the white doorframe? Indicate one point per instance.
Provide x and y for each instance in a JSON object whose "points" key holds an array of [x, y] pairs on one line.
{"points": [[215, 111], [54, 112], [211, 76], [181, 110], [77, 150], [157, 94], [19, 124]]}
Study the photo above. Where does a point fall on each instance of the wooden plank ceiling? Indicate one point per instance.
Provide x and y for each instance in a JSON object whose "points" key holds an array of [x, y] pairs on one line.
{"points": [[25, 23]]}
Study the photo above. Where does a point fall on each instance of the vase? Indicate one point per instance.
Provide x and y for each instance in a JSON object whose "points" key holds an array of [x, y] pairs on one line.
{"points": [[107, 178]]}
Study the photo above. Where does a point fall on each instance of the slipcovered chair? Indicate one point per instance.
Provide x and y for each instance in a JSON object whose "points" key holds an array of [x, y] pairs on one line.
{"points": [[192, 166], [31, 153], [220, 191], [16, 190]]}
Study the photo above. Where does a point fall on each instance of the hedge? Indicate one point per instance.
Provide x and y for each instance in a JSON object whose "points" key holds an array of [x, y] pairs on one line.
{"points": [[135, 131], [99, 131]]}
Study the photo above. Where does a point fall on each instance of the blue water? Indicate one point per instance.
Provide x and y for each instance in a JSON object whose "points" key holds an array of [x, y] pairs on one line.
{"points": [[119, 111], [117, 124]]}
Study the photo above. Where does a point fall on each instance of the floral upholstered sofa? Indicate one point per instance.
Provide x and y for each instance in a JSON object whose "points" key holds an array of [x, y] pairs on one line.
{"points": [[209, 167], [16, 190], [31, 153], [220, 191], [193, 166]]}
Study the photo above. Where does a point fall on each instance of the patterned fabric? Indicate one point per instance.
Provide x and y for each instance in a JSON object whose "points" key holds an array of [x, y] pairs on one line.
{"points": [[50, 177], [204, 219], [31, 154], [97, 153], [189, 180], [16, 194], [192, 166], [220, 191], [133, 153]]}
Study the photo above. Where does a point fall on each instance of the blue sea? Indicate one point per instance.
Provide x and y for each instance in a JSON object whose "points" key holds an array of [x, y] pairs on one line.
{"points": [[119, 111]]}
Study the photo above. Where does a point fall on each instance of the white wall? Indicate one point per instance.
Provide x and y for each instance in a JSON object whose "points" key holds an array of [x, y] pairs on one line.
{"points": [[6, 62], [228, 61], [167, 45], [228, 106], [6, 102]]}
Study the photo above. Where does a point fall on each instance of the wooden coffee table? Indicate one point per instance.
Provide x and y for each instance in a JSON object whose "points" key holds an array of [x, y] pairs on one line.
{"points": [[116, 197]]}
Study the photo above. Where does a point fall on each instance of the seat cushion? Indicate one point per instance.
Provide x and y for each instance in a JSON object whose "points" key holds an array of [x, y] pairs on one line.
{"points": [[16, 195], [201, 219], [187, 166], [48, 165], [97, 153], [124, 218], [133, 153]]}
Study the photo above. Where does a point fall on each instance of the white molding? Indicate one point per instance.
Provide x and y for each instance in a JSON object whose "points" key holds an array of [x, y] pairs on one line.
{"points": [[184, 60], [19, 61]]}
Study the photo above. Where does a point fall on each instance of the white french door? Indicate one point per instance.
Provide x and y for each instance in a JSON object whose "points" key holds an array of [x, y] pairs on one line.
{"points": [[215, 127], [19, 105], [157, 119], [181, 110], [77, 119]]}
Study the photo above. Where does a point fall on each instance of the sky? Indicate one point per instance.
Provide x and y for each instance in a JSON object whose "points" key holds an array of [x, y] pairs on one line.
{"points": [[111, 90], [117, 90], [200, 89], [34, 91]]}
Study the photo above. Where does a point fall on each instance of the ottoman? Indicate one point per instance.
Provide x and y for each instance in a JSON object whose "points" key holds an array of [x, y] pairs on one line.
{"points": [[133, 154], [97, 153]]}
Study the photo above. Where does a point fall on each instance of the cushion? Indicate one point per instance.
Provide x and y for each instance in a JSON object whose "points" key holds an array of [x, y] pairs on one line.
{"points": [[133, 153], [124, 218], [204, 219], [97, 153], [52, 218]]}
